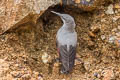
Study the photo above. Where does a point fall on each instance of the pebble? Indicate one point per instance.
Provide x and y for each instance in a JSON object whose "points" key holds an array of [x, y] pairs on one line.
{"points": [[91, 34], [114, 30], [45, 57], [16, 65], [117, 6], [77, 1], [110, 9], [118, 34], [56, 64], [87, 66], [26, 76], [119, 27], [103, 20], [115, 18], [96, 74], [16, 74], [108, 74], [103, 37], [40, 78], [116, 11], [112, 39], [118, 42], [2, 38]]}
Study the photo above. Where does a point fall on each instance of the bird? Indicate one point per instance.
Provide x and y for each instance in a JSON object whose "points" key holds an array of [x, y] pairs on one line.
{"points": [[66, 42]]}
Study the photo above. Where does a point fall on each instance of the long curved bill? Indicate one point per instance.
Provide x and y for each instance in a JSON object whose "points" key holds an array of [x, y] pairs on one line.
{"points": [[56, 13]]}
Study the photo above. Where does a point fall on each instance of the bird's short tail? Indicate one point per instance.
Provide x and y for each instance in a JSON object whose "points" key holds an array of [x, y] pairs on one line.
{"points": [[63, 70], [67, 59], [67, 67]]}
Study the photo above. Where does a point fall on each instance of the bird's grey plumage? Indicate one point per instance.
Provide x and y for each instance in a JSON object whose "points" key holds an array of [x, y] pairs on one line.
{"points": [[66, 42]]}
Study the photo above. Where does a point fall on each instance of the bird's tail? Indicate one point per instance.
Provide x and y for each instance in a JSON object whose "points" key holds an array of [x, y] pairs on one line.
{"points": [[68, 59], [66, 66]]}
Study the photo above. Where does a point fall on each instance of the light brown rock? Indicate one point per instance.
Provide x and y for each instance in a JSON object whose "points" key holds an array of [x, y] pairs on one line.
{"points": [[15, 12]]}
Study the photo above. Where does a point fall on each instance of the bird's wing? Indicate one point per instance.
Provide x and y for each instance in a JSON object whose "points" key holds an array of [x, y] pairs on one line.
{"points": [[67, 57]]}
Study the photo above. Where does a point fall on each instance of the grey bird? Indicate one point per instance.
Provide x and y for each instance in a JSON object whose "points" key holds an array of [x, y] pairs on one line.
{"points": [[66, 42]]}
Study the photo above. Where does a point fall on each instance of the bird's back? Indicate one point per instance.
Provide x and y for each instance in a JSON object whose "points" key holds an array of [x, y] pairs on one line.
{"points": [[66, 38], [67, 42]]}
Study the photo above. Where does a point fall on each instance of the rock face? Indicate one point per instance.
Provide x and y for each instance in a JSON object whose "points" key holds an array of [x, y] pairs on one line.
{"points": [[22, 11], [86, 5], [16, 12]]}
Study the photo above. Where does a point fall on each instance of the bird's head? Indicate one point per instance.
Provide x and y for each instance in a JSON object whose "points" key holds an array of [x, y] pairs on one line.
{"points": [[67, 19]]}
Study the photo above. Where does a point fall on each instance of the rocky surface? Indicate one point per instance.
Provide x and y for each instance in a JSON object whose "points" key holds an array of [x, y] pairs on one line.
{"points": [[27, 53], [16, 12]]}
